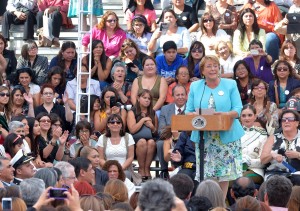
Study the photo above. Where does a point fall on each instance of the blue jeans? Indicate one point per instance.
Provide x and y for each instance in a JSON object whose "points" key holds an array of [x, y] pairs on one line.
{"points": [[272, 45]]}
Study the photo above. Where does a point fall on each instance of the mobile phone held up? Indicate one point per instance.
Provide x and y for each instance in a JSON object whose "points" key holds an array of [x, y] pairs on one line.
{"points": [[113, 101], [6, 204], [163, 27], [58, 193]]}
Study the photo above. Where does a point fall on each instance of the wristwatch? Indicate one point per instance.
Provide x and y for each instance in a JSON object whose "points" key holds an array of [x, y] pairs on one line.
{"points": [[53, 144]]}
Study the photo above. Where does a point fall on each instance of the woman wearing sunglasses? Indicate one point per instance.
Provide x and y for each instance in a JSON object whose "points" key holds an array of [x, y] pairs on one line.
{"points": [[209, 33], [280, 89], [5, 111], [115, 144], [109, 32], [267, 112], [252, 144], [284, 148]]}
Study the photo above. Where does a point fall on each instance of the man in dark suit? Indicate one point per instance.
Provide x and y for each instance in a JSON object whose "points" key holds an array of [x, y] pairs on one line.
{"points": [[23, 167], [180, 97], [6, 172]]}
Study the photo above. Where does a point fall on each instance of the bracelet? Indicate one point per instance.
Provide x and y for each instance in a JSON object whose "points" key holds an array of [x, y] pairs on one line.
{"points": [[53, 144]]}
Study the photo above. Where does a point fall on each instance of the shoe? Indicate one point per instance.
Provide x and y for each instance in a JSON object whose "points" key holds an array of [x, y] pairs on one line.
{"points": [[55, 44]]}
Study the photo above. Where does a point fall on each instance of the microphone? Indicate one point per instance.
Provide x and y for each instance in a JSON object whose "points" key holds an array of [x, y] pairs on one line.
{"points": [[200, 110]]}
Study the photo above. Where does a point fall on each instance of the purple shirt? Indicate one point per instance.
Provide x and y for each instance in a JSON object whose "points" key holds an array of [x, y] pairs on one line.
{"points": [[112, 46], [264, 71]]}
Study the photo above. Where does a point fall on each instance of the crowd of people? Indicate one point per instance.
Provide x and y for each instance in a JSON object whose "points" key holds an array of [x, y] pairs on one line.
{"points": [[238, 62]]}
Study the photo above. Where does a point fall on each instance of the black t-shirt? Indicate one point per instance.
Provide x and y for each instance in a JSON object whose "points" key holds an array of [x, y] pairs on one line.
{"points": [[188, 17]]}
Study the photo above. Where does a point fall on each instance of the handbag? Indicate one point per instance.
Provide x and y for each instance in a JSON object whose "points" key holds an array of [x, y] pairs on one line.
{"points": [[294, 23], [45, 36], [144, 132]]}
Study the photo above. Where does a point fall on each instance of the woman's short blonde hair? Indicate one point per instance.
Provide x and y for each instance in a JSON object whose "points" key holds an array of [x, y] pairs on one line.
{"points": [[228, 43], [208, 58], [117, 189]]}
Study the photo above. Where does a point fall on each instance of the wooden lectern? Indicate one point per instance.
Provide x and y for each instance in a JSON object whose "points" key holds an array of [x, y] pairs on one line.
{"points": [[214, 122]]}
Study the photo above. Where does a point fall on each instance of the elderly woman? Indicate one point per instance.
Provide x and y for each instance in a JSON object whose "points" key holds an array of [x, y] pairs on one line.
{"points": [[252, 145], [218, 94], [283, 148], [179, 34], [280, 89], [115, 144], [109, 31], [118, 74], [30, 58]]}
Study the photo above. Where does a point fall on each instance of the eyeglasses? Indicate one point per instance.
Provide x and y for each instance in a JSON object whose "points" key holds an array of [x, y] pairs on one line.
{"points": [[111, 21], [84, 131], [282, 69], [45, 120], [33, 49], [259, 87], [247, 115], [57, 125], [199, 50], [138, 25], [2, 94], [48, 93], [288, 119], [114, 122], [207, 20]]}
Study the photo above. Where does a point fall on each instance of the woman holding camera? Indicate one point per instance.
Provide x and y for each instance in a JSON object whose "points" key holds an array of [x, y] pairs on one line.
{"points": [[108, 105]]}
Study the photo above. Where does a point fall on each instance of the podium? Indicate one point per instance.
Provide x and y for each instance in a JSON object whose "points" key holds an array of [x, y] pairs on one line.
{"points": [[214, 122]]}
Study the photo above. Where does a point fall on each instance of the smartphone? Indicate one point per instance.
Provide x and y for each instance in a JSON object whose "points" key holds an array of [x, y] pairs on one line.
{"points": [[113, 101], [6, 204], [163, 27], [97, 133], [254, 52], [130, 65], [58, 193]]}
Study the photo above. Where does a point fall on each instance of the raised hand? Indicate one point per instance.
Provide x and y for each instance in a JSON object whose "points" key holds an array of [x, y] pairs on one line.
{"points": [[62, 139]]}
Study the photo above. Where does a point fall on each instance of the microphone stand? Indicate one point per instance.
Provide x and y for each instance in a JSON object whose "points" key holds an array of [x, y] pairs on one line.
{"points": [[201, 141]]}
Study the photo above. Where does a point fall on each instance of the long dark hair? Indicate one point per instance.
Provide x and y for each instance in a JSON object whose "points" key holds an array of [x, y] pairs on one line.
{"points": [[102, 101], [132, 5], [103, 57], [33, 141], [202, 27], [242, 26], [282, 55], [236, 65], [64, 47], [161, 19], [191, 64], [57, 70], [255, 83], [291, 73], [114, 117], [150, 111], [142, 19]]}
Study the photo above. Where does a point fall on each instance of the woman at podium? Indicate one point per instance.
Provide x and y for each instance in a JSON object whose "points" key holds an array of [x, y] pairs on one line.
{"points": [[222, 149]]}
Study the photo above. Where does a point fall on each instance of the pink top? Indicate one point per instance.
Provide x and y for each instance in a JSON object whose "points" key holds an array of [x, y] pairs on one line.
{"points": [[63, 4], [149, 14], [112, 45]]}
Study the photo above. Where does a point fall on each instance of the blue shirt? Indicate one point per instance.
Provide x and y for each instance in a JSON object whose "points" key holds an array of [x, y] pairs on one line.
{"points": [[166, 70]]}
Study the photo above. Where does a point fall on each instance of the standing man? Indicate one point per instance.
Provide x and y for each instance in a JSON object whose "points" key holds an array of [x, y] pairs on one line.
{"points": [[20, 12]]}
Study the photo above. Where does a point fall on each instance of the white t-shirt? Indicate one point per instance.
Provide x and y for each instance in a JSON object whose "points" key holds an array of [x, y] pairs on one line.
{"points": [[116, 152]]}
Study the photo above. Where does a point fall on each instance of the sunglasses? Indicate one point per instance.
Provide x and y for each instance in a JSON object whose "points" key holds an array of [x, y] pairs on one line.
{"points": [[114, 122], [207, 20], [282, 69], [199, 50], [288, 119], [2, 94], [111, 21], [259, 87], [45, 120]]}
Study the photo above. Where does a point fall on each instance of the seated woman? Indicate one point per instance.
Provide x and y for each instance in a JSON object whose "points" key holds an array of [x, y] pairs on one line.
{"points": [[12, 144], [224, 14], [57, 10], [284, 147], [8, 61], [243, 77], [109, 31], [24, 78], [56, 77], [5, 111], [21, 102], [227, 58], [175, 32], [30, 58], [52, 140], [92, 86], [133, 58], [259, 61], [140, 8], [115, 144], [94, 107], [100, 64], [108, 96], [66, 60], [182, 77], [142, 124], [266, 110], [247, 30], [115, 171], [288, 52], [252, 145], [140, 33], [209, 33], [151, 81], [280, 89], [83, 131], [192, 61], [118, 74]]}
